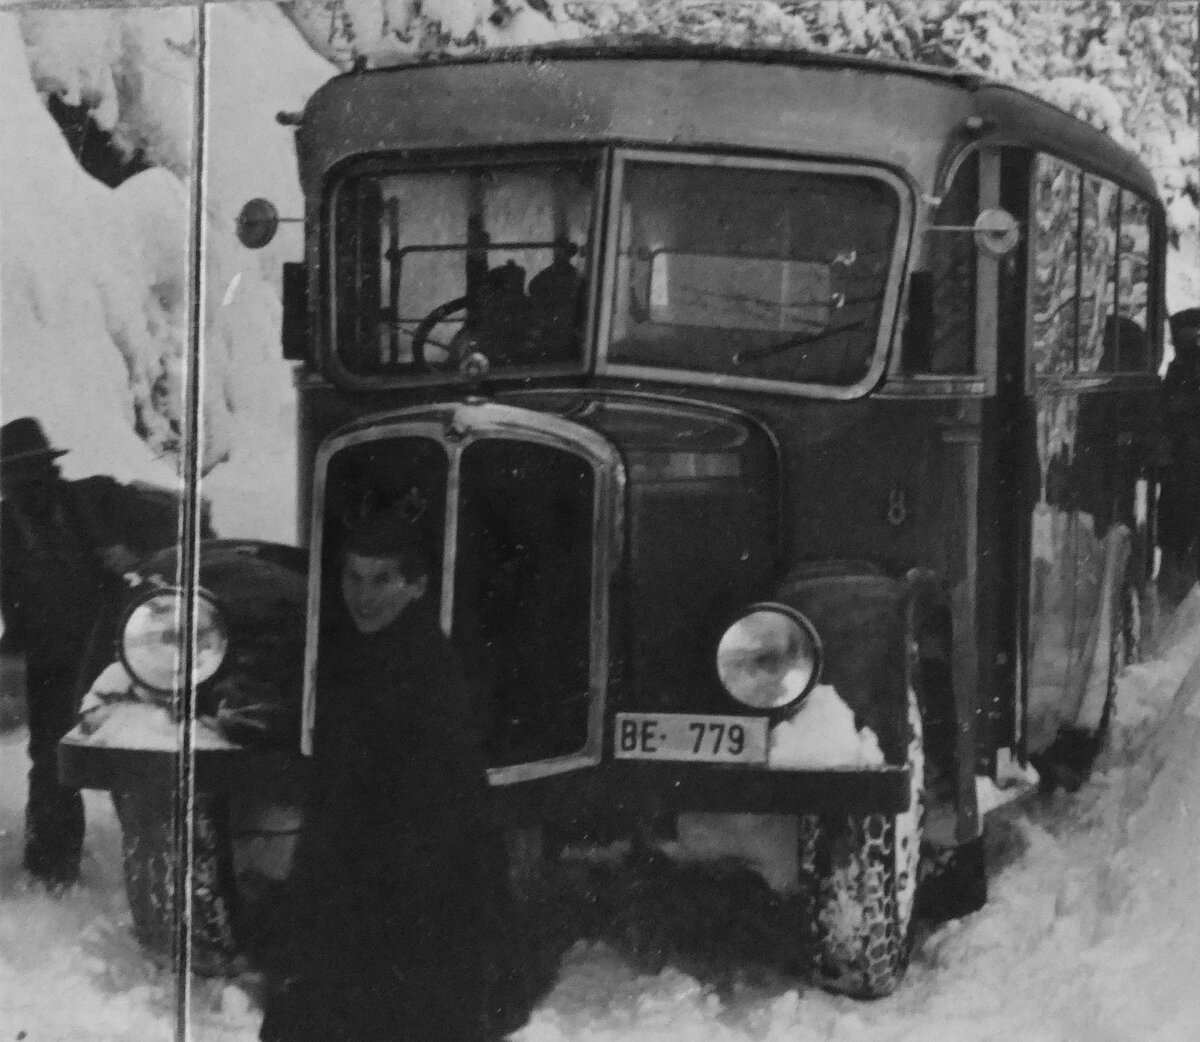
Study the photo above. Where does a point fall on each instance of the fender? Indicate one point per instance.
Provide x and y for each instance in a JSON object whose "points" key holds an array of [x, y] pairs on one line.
{"points": [[881, 633], [261, 593], [860, 614]]}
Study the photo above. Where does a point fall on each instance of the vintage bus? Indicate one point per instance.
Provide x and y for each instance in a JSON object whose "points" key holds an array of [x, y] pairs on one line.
{"points": [[780, 426]]}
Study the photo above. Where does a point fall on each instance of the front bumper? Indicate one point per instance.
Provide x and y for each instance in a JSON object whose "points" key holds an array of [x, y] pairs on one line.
{"points": [[126, 769], [636, 789], [620, 789]]}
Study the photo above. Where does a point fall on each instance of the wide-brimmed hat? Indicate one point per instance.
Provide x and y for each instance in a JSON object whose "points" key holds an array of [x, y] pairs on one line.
{"points": [[23, 443]]}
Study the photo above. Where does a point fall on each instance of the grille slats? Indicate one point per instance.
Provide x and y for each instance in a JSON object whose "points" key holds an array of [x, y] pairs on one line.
{"points": [[511, 529]]}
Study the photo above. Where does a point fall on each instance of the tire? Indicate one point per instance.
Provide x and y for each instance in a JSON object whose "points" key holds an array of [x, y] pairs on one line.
{"points": [[148, 855], [858, 880]]}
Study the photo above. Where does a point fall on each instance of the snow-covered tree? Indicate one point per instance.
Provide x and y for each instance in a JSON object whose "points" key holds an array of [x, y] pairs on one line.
{"points": [[1127, 65]]}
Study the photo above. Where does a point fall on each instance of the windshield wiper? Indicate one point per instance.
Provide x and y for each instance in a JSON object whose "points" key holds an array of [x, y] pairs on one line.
{"points": [[757, 354]]}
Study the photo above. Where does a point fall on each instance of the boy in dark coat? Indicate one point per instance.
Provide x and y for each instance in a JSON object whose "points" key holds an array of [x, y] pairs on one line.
{"points": [[393, 884]]}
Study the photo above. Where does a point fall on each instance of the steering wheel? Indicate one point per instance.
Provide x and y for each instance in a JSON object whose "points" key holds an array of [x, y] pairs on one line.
{"points": [[421, 334]]}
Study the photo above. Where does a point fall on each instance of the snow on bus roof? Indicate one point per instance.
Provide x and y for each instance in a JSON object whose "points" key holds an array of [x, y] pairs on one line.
{"points": [[650, 91], [648, 47]]}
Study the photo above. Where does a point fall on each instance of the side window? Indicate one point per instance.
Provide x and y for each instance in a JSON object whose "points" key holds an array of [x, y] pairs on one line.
{"points": [[952, 278], [1133, 289], [1098, 328], [1055, 260]]}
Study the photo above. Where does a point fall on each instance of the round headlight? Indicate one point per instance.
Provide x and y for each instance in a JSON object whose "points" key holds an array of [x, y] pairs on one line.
{"points": [[151, 640], [770, 657]]}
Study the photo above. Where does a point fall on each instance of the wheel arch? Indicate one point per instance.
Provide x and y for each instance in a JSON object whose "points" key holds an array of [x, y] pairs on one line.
{"points": [[947, 711], [859, 613]]}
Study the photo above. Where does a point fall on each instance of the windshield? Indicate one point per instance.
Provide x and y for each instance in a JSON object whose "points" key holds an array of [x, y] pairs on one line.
{"points": [[433, 266], [751, 272]]}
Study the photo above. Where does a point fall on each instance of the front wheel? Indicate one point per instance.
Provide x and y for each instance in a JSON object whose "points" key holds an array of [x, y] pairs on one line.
{"points": [[858, 880], [148, 848]]}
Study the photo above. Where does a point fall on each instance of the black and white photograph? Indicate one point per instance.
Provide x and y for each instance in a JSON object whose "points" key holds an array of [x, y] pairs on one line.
{"points": [[599, 520]]}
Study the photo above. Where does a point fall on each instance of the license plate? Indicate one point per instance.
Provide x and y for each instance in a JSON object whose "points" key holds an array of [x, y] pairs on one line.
{"points": [[691, 737]]}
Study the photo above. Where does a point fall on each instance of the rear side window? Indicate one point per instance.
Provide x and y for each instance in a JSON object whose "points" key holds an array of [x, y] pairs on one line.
{"points": [[1055, 259], [1091, 254], [1099, 220], [1133, 285]]}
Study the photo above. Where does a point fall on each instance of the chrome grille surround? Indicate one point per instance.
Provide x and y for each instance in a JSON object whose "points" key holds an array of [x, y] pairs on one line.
{"points": [[456, 426]]}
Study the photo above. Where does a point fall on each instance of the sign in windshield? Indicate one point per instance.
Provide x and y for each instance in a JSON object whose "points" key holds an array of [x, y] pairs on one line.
{"points": [[765, 293], [775, 273]]}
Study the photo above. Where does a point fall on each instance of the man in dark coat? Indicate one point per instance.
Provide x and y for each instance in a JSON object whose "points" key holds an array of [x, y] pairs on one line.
{"points": [[1179, 508], [393, 885], [63, 544]]}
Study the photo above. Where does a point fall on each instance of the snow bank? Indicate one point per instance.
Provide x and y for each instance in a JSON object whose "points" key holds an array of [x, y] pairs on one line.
{"points": [[82, 322], [70, 968], [94, 331], [1091, 932], [250, 400]]}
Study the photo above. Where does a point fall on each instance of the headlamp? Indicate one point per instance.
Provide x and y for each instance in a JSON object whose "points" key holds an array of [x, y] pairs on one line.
{"points": [[152, 639], [770, 657]]}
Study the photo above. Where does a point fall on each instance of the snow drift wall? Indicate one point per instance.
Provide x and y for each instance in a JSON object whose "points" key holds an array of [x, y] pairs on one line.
{"points": [[93, 322], [87, 309]]}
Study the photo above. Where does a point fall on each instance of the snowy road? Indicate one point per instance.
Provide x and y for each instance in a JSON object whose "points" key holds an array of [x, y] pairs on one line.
{"points": [[1092, 931]]}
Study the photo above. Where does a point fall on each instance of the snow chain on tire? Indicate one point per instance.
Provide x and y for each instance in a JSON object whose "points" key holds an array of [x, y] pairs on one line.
{"points": [[147, 847], [858, 877]]}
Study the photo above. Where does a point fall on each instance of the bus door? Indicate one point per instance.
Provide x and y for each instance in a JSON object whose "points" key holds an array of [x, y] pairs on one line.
{"points": [[1086, 332]]}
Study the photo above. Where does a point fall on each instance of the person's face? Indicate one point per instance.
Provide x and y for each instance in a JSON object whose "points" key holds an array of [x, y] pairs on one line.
{"points": [[376, 591]]}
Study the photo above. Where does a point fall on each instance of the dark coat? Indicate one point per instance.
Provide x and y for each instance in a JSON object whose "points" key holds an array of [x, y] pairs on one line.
{"points": [[1179, 508], [52, 581], [394, 879]]}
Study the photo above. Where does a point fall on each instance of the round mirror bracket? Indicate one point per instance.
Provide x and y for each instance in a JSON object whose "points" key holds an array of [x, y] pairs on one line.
{"points": [[996, 231]]}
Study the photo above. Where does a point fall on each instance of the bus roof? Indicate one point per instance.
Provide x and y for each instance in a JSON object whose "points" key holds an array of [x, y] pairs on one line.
{"points": [[646, 47], [662, 93]]}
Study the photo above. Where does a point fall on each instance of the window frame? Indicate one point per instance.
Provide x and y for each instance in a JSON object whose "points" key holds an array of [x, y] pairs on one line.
{"points": [[980, 381], [1075, 380], [396, 164], [888, 324]]}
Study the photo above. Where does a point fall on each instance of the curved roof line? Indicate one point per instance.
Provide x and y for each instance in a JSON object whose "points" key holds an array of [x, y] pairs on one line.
{"points": [[1015, 114], [652, 47]]}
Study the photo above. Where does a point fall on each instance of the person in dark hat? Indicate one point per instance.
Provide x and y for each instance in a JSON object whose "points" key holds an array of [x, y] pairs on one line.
{"points": [[63, 544], [1179, 505], [398, 883]]}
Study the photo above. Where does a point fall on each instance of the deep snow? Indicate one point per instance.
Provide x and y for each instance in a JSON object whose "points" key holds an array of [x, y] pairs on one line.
{"points": [[1092, 930]]}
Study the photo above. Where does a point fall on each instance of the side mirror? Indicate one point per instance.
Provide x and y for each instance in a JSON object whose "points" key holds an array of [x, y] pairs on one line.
{"points": [[996, 232], [257, 223]]}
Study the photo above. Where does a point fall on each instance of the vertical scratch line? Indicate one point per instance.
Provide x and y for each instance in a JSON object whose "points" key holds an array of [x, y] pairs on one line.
{"points": [[189, 540]]}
